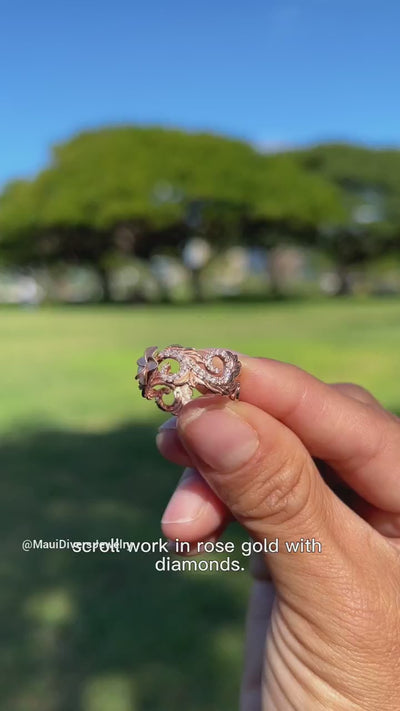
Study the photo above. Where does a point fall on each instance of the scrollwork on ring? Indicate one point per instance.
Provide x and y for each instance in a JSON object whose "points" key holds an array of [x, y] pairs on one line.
{"points": [[213, 370]]}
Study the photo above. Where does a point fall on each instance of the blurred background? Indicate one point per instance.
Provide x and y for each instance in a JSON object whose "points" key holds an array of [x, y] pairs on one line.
{"points": [[223, 174]]}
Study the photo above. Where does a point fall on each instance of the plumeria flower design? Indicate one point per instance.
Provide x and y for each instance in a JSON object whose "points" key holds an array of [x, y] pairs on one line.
{"points": [[146, 365]]}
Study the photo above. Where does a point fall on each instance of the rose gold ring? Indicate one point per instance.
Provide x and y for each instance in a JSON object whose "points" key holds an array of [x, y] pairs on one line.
{"points": [[211, 370]]}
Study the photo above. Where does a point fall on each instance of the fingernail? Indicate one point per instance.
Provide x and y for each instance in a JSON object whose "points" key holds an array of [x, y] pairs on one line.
{"points": [[166, 432], [187, 503], [168, 425], [218, 436], [163, 437]]}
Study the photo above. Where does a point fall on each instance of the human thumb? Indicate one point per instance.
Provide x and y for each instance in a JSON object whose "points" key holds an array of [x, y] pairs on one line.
{"points": [[333, 635], [266, 477]]}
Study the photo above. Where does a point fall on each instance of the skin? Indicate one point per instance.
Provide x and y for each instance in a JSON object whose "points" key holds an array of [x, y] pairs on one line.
{"points": [[296, 457]]}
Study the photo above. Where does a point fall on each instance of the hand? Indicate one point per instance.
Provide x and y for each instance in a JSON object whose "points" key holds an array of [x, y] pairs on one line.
{"points": [[326, 633]]}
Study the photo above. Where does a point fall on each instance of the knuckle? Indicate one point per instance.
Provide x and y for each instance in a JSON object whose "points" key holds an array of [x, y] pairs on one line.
{"points": [[356, 391], [278, 489]]}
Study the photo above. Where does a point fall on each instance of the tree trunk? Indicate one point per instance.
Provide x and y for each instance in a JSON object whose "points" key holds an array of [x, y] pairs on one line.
{"points": [[344, 281], [104, 279], [197, 287], [165, 296], [274, 273]]}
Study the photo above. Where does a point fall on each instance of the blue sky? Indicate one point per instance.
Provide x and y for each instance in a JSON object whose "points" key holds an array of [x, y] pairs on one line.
{"points": [[275, 72]]}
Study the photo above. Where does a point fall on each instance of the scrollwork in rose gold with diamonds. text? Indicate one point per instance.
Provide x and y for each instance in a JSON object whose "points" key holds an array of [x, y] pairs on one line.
{"points": [[212, 370]]}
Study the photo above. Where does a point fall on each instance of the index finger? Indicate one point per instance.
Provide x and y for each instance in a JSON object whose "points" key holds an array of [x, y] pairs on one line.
{"points": [[357, 439]]}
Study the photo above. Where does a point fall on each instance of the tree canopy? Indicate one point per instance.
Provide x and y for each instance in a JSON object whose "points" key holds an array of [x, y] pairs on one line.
{"points": [[144, 190], [148, 176]]}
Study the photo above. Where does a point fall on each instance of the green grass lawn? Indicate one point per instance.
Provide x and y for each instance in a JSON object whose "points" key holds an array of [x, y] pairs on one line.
{"points": [[74, 366], [77, 460]]}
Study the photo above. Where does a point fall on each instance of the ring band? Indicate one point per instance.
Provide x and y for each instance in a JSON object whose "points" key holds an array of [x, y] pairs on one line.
{"points": [[211, 370]]}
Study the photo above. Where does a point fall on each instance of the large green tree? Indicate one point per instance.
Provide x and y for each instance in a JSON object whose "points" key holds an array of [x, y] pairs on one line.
{"points": [[369, 183], [291, 207], [147, 190], [128, 189]]}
